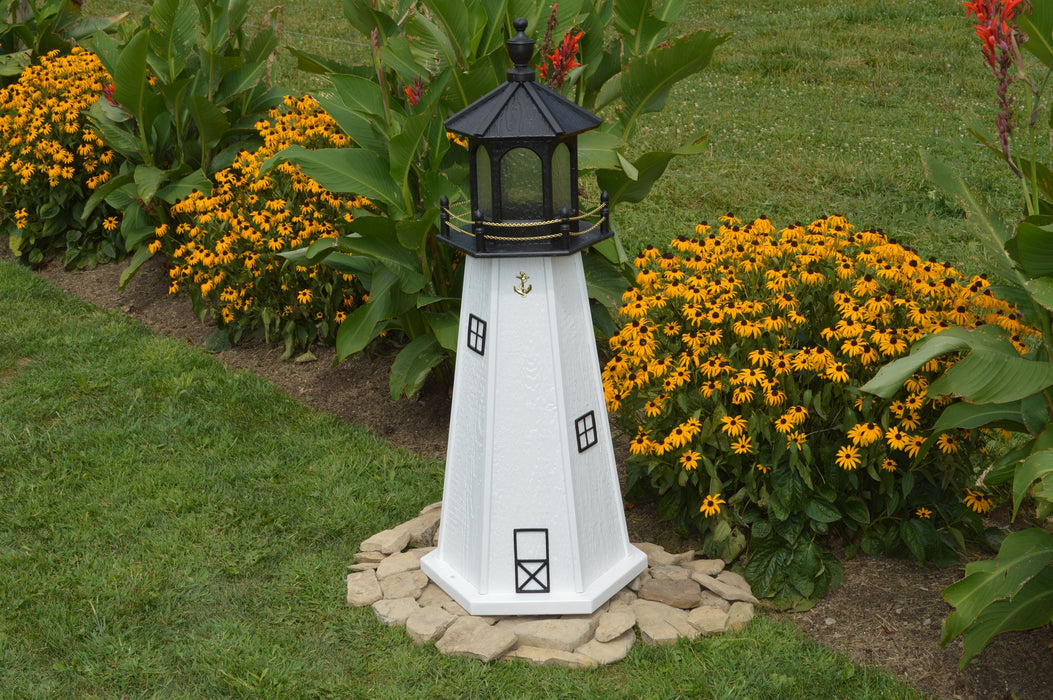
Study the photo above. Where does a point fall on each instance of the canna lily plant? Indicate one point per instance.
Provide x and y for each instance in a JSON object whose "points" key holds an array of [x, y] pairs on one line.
{"points": [[1000, 386], [430, 59]]}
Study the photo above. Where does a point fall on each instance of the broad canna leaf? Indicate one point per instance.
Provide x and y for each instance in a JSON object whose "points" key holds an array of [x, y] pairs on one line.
{"points": [[639, 28], [186, 185], [969, 416], [1032, 607], [1034, 246], [173, 29], [988, 375], [212, 124], [147, 181], [648, 79], [650, 166], [344, 170], [365, 323], [129, 78], [413, 364], [1022, 555], [1037, 25]]}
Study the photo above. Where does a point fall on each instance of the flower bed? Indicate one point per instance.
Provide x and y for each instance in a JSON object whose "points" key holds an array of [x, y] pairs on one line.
{"points": [[226, 250], [51, 161], [737, 379]]}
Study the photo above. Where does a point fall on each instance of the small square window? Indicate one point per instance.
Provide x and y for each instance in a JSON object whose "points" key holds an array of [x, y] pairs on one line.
{"points": [[476, 334], [585, 428]]}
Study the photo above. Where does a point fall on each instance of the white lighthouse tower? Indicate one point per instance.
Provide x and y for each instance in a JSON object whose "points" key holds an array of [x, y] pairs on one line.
{"points": [[532, 517]]}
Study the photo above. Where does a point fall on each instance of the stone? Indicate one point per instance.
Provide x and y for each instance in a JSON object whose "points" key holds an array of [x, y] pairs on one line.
{"points": [[712, 600], [725, 591], [387, 541], [662, 624], [428, 624], [367, 566], [405, 584], [684, 557], [670, 572], [363, 589], [397, 563], [635, 584], [656, 554], [422, 529], [733, 579], [683, 594], [370, 557], [739, 616], [614, 624], [706, 567], [625, 596], [708, 619], [454, 608], [563, 635], [395, 611], [433, 595], [470, 636], [609, 652], [551, 657]]}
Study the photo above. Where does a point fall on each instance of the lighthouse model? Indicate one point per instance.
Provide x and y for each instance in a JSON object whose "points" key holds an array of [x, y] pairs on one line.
{"points": [[532, 516]]}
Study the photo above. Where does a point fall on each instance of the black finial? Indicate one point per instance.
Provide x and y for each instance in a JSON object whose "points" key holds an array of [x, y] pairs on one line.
{"points": [[521, 50]]}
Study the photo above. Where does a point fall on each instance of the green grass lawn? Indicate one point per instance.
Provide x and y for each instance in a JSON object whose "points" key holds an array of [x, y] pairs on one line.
{"points": [[172, 528]]}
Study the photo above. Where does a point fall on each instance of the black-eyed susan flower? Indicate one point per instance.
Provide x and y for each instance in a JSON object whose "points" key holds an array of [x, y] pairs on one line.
{"points": [[711, 505], [848, 457], [689, 459], [978, 501], [947, 443], [923, 513], [742, 445]]}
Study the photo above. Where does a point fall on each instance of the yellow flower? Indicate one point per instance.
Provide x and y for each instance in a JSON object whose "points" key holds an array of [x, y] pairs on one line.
{"points": [[689, 459], [711, 505], [864, 434], [797, 438], [733, 425], [848, 457], [761, 468], [304, 296], [111, 223], [888, 464], [641, 444], [742, 446], [947, 443], [977, 501], [923, 513]]}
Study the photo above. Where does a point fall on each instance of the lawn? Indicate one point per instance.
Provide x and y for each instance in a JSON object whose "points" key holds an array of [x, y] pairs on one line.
{"points": [[172, 528]]}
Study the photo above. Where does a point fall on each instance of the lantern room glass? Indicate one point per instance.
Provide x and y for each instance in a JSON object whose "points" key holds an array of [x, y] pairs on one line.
{"points": [[561, 193], [521, 186], [483, 182]]}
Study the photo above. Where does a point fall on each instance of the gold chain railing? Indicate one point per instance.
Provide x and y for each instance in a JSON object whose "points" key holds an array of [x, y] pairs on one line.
{"points": [[525, 225]]}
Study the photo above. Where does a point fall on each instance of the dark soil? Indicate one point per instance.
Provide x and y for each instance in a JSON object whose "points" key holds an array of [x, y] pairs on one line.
{"points": [[887, 613]]}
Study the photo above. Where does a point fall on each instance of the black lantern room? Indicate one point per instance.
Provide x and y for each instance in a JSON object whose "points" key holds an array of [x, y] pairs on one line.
{"points": [[523, 150]]}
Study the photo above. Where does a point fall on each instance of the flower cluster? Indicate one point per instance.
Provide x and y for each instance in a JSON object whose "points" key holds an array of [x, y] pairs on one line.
{"points": [[557, 62], [738, 369], [226, 249], [999, 36], [51, 160]]}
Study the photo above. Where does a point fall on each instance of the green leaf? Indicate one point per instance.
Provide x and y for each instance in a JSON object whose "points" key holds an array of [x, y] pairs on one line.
{"points": [[1037, 466], [821, 511], [147, 180], [173, 26], [413, 364], [363, 325], [1038, 26], [344, 170], [857, 511], [969, 416], [648, 79], [918, 535], [599, 149], [1030, 608], [184, 187], [1041, 290], [129, 79], [314, 63], [640, 30], [986, 375], [401, 262], [103, 191], [142, 254], [444, 325], [363, 17], [1034, 248], [649, 166], [1022, 555], [211, 121], [991, 230]]}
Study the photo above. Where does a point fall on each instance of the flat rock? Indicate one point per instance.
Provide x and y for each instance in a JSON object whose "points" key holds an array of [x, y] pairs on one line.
{"points": [[551, 657], [433, 595], [470, 636], [563, 635], [609, 652], [422, 529], [405, 584], [428, 624], [733, 579], [625, 596], [670, 572], [614, 624], [395, 611], [684, 557], [363, 588], [662, 624], [397, 563], [656, 554], [366, 566], [635, 584], [429, 508], [366, 557], [739, 616], [709, 619], [712, 600], [454, 608], [724, 590], [387, 541], [683, 594], [706, 567]]}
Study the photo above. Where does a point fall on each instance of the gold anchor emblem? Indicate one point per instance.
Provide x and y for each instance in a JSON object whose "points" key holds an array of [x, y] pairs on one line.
{"points": [[523, 288]]}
